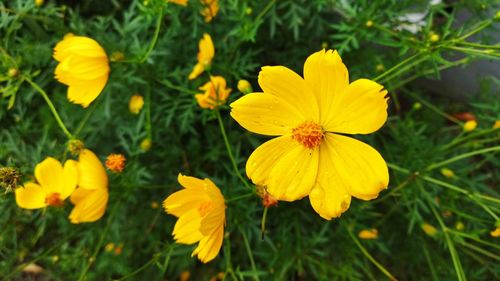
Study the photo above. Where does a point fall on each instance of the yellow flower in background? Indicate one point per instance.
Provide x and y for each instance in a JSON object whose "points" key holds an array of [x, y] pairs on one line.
{"points": [[368, 234], [91, 196], [55, 183], [496, 125], [310, 115], [447, 173], [244, 86], [429, 229], [495, 233], [179, 2], [211, 9], [115, 162], [39, 3], [215, 93], [470, 125], [202, 214], [83, 67], [135, 104], [206, 53]]}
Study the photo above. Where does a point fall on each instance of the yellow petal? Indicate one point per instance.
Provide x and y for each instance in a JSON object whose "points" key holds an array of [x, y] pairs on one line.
{"points": [[197, 70], [80, 45], [206, 50], [329, 196], [85, 93], [183, 201], [362, 109], [326, 74], [265, 157], [293, 176], [70, 174], [186, 230], [78, 69], [49, 174], [213, 220], [360, 167], [266, 114], [191, 182], [30, 196], [91, 171], [90, 205], [209, 246], [282, 82]]}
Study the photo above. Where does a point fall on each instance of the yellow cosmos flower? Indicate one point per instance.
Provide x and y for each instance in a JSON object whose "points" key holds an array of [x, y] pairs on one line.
{"points": [[91, 196], [202, 214], [135, 104], [215, 94], [206, 53], [179, 2], [312, 156], [211, 9], [83, 66], [55, 183]]}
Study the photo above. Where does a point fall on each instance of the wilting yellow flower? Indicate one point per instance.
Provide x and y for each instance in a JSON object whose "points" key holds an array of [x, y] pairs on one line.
{"points": [[470, 125], [496, 125], [215, 93], [115, 162], [179, 2], [210, 10], [201, 211], [91, 196], [135, 104], [495, 233], [312, 156], [206, 53], [429, 229], [55, 183], [83, 66], [447, 173], [244, 86], [368, 234]]}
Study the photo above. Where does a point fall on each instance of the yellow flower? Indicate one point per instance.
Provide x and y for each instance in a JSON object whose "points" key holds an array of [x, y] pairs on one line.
{"points": [[429, 229], [495, 233], [91, 196], [368, 234], [55, 183], [206, 53], [179, 2], [39, 3], [215, 94], [201, 211], [210, 10], [115, 163], [496, 125], [244, 86], [434, 37], [83, 66], [135, 104], [312, 156], [470, 125]]}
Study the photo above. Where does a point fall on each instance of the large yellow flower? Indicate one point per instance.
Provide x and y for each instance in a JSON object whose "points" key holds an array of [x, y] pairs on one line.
{"points": [[215, 93], [206, 53], [202, 214], [54, 184], [91, 196], [83, 66], [312, 156]]}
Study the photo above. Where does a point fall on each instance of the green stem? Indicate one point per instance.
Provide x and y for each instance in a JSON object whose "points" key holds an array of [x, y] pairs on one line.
{"points": [[250, 256], [228, 148], [433, 107], [469, 137], [480, 26], [477, 45], [155, 38], [263, 223], [149, 130], [485, 53], [462, 156], [51, 106], [237, 198], [368, 255], [396, 67]]}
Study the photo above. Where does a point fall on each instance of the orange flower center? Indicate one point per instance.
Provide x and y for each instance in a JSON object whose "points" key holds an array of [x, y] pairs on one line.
{"points": [[115, 162], [309, 134], [54, 200], [205, 208]]}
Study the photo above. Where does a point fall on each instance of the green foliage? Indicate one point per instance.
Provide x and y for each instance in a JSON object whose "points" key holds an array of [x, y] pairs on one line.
{"points": [[159, 41]]}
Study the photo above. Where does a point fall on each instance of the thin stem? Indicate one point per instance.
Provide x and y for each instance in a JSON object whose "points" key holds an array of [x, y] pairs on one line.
{"points": [[51, 106], [155, 38], [469, 137], [396, 67], [237, 198], [368, 255], [149, 130], [228, 148], [263, 223], [250, 256], [480, 26], [462, 156], [434, 108]]}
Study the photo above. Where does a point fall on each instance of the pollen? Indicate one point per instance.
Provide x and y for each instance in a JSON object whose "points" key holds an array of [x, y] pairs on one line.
{"points": [[309, 134], [54, 200]]}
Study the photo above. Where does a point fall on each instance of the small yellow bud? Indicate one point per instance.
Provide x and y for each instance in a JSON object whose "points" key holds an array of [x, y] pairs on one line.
{"points": [[380, 67], [109, 247], [447, 173], [470, 125], [369, 23], [434, 37], [497, 16], [244, 86], [495, 233], [115, 163], [368, 234], [135, 104], [75, 147], [117, 56], [496, 125], [154, 205], [39, 3], [249, 11], [55, 259], [184, 275], [417, 106], [146, 144], [324, 45], [429, 229], [459, 226], [13, 72]]}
